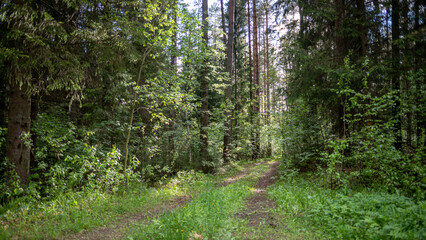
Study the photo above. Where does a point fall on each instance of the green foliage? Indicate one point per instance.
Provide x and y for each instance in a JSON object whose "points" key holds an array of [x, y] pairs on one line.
{"points": [[302, 137], [207, 215], [370, 216], [367, 156], [334, 161], [345, 214], [9, 183], [73, 212]]}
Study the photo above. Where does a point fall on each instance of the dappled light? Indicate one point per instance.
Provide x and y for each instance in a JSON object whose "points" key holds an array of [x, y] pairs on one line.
{"points": [[237, 119]]}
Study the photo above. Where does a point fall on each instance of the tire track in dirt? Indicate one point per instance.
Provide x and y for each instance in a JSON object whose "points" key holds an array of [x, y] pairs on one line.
{"points": [[118, 228], [259, 209]]}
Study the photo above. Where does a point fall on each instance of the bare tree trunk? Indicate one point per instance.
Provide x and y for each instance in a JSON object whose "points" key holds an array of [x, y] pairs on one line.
{"points": [[339, 58], [268, 97], [205, 95], [420, 121], [173, 62], [223, 21], [361, 27], [406, 63], [251, 67], [227, 139], [34, 113], [396, 72], [17, 149], [236, 98], [256, 106], [132, 113]]}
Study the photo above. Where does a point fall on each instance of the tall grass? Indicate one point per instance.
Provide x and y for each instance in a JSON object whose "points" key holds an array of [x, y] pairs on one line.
{"points": [[346, 214]]}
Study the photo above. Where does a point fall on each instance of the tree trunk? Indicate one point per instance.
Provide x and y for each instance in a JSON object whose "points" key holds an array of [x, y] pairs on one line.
{"points": [[420, 121], [223, 21], [396, 73], [405, 85], [236, 111], [205, 95], [18, 152], [173, 62], [256, 105], [268, 97], [339, 56], [361, 27], [34, 113], [251, 85], [227, 139]]}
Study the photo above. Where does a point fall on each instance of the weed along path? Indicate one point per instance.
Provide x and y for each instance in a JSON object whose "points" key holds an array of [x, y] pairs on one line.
{"points": [[117, 229], [194, 214], [259, 212]]}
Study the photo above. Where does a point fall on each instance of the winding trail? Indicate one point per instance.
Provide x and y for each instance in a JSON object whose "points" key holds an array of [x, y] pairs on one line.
{"points": [[119, 228], [260, 210]]}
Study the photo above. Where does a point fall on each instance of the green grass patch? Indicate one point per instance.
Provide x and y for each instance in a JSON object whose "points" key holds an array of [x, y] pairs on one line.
{"points": [[346, 214], [78, 211], [210, 215]]}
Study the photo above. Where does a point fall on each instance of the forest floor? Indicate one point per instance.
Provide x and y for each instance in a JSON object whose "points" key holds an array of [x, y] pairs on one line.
{"points": [[239, 202], [256, 214], [264, 221]]}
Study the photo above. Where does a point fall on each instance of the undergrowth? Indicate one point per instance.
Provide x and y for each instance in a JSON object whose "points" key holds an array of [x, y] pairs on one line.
{"points": [[78, 211], [348, 214], [209, 216]]}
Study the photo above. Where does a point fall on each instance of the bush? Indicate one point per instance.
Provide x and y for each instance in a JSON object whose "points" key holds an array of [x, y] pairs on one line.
{"points": [[346, 214]]}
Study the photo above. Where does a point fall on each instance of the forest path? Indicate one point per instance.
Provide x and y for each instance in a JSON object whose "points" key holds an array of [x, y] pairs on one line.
{"points": [[119, 228], [263, 222]]}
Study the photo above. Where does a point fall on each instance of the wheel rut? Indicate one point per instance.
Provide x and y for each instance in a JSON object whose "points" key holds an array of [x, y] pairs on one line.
{"points": [[259, 209], [118, 229]]}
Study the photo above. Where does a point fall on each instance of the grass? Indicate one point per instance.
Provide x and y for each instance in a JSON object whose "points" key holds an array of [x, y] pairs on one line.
{"points": [[78, 211], [314, 212], [209, 216]]}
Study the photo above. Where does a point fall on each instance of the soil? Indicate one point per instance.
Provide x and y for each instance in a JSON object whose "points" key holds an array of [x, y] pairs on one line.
{"points": [[259, 209], [238, 176], [117, 229]]}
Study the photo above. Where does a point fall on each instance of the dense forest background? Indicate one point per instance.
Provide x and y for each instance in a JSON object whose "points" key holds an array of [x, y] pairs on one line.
{"points": [[98, 94]]}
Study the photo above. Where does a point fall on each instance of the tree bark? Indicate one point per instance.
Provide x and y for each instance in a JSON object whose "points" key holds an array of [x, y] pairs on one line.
{"points": [[361, 27], [223, 21], [418, 61], [396, 73], [205, 94], [19, 124], [340, 52], [173, 62], [268, 97], [256, 105], [34, 114], [227, 139], [251, 85]]}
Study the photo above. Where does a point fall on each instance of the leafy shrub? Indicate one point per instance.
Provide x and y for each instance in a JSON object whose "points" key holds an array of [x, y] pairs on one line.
{"points": [[366, 156], [344, 214], [65, 162], [371, 216], [9, 182], [302, 137]]}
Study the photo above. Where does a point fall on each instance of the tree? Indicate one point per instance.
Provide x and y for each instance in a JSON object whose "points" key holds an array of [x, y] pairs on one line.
{"points": [[205, 92], [267, 75], [256, 77], [396, 82], [227, 139], [36, 34]]}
